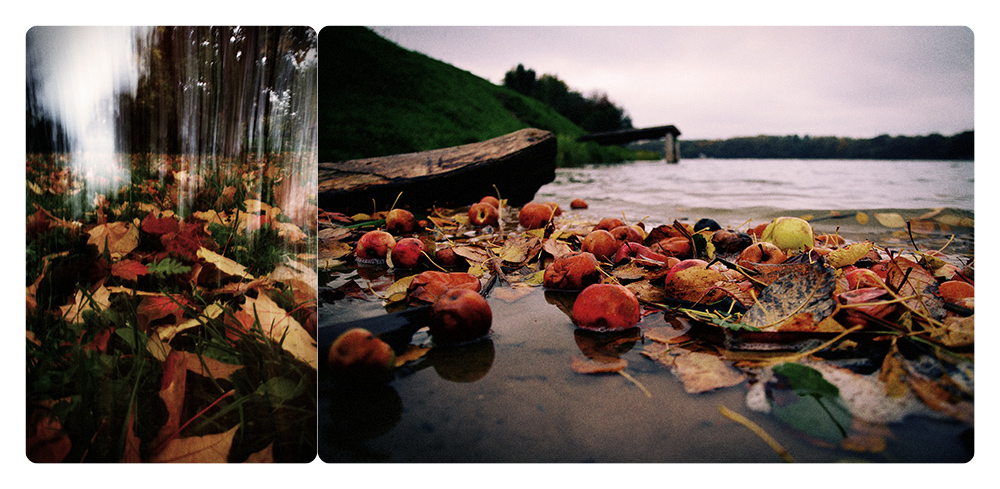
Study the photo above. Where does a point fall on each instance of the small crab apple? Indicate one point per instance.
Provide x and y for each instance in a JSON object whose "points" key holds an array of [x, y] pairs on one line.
{"points": [[460, 316], [446, 257], [730, 241], [556, 210], [408, 252], [606, 307], [762, 252], [400, 221], [534, 215], [627, 234], [374, 246], [609, 223], [578, 204], [601, 243], [359, 357], [677, 246], [491, 200], [483, 214], [573, 271]]}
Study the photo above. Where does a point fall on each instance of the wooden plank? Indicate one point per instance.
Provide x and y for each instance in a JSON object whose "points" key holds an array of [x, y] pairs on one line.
{"points": [[629, 135], [518, 164]]}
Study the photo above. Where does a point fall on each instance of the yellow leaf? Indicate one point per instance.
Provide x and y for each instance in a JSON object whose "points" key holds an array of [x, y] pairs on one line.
{"points": [[225, 265], [167, 333], [197, 449], [701, 372], [120, 237], [289, 231], [862, 218], [849, 254], [891, 220], [98, 301], [281, 327]]}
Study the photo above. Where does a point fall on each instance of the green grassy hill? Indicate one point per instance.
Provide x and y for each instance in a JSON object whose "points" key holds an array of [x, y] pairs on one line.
{"points": [[376, 98]]}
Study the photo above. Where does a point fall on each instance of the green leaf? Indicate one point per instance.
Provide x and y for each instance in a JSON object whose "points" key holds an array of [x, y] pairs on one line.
{"points": [[168, 266], [816, 408]]}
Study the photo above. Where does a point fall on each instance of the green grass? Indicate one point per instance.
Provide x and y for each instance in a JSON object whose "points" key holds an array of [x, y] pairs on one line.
{"points": [[377, 99]]}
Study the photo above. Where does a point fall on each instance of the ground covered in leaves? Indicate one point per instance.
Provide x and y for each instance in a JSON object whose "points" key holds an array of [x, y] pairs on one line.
{"points": [[172, 319], [839, 341]]}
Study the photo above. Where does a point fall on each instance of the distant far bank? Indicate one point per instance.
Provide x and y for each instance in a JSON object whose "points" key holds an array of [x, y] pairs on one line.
{"points": [[931, 147]]}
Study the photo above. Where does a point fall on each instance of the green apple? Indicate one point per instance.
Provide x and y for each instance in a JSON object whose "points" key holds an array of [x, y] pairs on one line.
{"points": [[789, 234]]}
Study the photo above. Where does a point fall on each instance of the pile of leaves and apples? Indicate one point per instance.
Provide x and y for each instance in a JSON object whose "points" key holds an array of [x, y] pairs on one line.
{"points": [[171, 320], [836, 338]]}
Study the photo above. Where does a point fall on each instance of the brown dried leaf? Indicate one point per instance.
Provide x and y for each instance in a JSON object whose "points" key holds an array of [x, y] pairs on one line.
{"points": [[794, 294], [281, 327], [120, 237], [197, 449], [583, 365], [172, 387], [702, 372]]}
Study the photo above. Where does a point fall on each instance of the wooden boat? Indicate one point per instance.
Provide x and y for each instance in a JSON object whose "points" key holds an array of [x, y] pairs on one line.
{"points": [[518, 164]]}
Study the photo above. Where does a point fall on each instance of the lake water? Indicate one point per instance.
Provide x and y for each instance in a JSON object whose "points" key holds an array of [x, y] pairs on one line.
{"points": [[735, 191], [667, 191]]}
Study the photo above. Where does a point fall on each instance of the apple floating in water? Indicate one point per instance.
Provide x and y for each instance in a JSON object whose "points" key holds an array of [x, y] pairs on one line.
{"points": [[789, 234], [359, 357], [606, 307], [460, 316], [373, 247]]}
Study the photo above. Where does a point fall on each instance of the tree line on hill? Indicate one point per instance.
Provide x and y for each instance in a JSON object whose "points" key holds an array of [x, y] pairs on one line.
{"points": [[884, 147], [930, 147], [594, 113]]}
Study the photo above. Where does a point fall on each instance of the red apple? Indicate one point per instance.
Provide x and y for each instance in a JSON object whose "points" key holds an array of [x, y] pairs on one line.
{"points": [[956, 291], [491, 200], [446, 257], [359, 357], [601, 243], [573, 271], [606, 307], [730, 241], [627, 234], [762, 252], [460, 316], [555, 208], [578, 204], [408, 252], [400, 221], [374, 246], [534, 215], [677, 246], [609, 223], [483, 214]]}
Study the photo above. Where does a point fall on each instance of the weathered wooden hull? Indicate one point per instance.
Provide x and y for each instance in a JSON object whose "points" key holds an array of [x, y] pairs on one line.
{"points": [[518, 164]]}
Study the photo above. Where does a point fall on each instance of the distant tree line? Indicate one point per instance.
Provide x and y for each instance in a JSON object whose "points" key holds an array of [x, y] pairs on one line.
{"points": [[594, 113], [930, 147]]}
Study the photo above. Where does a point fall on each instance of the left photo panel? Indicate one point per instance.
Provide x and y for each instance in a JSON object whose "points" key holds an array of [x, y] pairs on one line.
{"points": [[171, 244]]}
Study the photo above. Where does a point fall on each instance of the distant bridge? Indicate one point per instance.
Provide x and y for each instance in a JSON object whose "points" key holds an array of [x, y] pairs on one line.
{"points": [[668, 133]]}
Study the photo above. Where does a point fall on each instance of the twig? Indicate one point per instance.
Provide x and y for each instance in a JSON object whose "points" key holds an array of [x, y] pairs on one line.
{"points": [[636, 382], [757, 430]]}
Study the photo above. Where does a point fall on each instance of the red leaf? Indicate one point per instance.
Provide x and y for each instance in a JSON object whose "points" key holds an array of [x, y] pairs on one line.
{"points": [[128, 269], [160, 225]]}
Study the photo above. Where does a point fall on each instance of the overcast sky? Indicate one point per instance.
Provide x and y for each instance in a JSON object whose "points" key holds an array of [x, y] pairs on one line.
{"points": [[721, 82]]}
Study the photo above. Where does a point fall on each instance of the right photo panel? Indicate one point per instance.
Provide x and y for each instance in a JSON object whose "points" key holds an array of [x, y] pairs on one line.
{"points": [[645, 244]]}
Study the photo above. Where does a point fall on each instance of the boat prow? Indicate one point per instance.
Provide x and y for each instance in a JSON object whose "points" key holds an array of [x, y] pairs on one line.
{"points": [[517, 164]]}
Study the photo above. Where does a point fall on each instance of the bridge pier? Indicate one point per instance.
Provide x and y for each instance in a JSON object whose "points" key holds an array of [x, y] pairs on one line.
{"points": [[668, 133]]}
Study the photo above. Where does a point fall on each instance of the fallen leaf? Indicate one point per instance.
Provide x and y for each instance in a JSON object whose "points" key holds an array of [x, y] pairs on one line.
{"points": [[224, 264], [98, 300], [794, 294], [197, 449], [172, 386], [128, 269], [702, 372], [848, 255], [583, 365], [264, 456], [119, 237], [282, 328]]}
